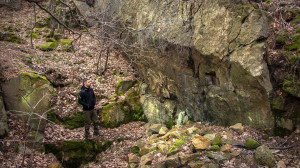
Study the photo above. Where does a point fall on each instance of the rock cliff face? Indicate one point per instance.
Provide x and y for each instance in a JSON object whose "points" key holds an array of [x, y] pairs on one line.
{"points": [[207, 57]]}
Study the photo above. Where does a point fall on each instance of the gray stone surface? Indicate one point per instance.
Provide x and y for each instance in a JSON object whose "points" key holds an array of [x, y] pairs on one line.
{"points": [[264, 156], [207, 56], [28, 95]]}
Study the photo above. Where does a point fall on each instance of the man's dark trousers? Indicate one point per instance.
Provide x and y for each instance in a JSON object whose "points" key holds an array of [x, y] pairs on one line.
{"points": [[91, 116]]}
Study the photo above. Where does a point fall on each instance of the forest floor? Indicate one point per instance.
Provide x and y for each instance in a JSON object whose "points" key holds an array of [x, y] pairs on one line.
{"points": [[74, 66]]}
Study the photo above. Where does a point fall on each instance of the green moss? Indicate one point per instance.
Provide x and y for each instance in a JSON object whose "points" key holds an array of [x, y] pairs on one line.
{"points": [[179, 142], [153, 149], [9, 28], [269, 2], [217, 140], [75, 121], [296, 20], [99, 80], [85, 30], [131, 108], [50, 40], [35, 76], [118, 86], [14, 39], [135, 150], [281, 39], [47, 35], [294, 59], [207, 153], [169, 124], [298, 29], [290, 85], [65, 42], [173, 148], [116, 73], [185, 138], [251, 144], [48, 46], [76, 153], [215, 148], [278, 103], [295, 44]]}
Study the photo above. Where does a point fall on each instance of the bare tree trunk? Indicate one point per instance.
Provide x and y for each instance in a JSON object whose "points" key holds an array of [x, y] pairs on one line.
{"points": [[52, 21], [106, 59], [34, 11], [99, 61]]}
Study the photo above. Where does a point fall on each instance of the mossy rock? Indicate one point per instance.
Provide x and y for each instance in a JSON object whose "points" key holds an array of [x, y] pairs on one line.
{"points": [[215, 148], [278, 103], [48, 46], [76, 153], [118, 113], [124, 86], [295, 44], [27, 90], [291, 85], [251, 144], [217, 140], [179, 142], [173, 150]]}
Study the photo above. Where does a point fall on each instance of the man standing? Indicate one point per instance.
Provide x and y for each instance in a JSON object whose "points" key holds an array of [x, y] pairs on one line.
{"points": [[88, 100]]}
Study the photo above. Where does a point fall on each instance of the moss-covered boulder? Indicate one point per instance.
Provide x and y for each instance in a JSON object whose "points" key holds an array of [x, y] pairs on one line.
{"points": [[251, 144], [217, 141], [124, 86], [28, 95], [264, 156], [215, 148], [76, 153], [123, 112], [49, 46]]}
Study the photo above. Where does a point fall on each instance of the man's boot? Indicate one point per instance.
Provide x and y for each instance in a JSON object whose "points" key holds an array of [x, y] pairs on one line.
{"points": [[96, 131], [87, 133]]}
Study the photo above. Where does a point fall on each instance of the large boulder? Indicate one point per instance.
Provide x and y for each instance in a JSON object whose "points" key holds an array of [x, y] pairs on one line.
{"points": [[28, 96], [206, 56], [264, 156], [122, 112], [3, 120]]}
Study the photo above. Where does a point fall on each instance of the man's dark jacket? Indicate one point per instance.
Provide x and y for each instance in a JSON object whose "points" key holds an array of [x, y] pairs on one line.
{"points": [[87, 98]]}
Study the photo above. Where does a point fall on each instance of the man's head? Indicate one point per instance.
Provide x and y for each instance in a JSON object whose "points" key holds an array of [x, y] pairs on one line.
{"points": [[86, 82]]}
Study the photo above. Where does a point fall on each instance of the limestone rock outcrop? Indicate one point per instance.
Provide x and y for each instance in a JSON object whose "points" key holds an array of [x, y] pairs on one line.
{"points": [[206, 56]]}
